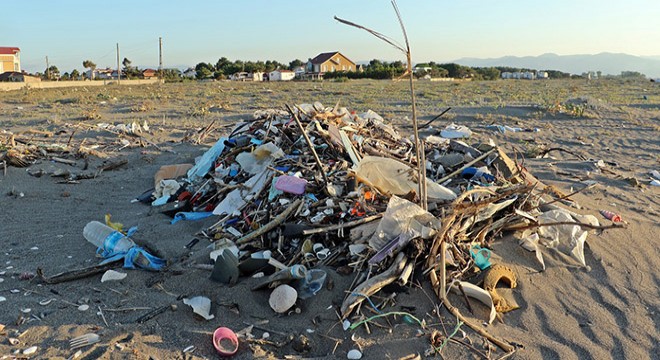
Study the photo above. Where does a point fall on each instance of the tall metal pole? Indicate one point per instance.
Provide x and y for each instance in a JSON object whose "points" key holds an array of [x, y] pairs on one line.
{"points": [[118, 68], [160, 57], [47, 69]]}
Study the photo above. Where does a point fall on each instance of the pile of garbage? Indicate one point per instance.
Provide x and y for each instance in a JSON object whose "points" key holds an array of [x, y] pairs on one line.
{"points": [[295, 191]]}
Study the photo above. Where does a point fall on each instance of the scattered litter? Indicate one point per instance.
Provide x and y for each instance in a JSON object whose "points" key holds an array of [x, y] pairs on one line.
{"points": [[112, 275], [610, 216], [29, 351], [282, 298], [354, 354], [453, 131], [225, 341], [201, 306], [531, 243]]}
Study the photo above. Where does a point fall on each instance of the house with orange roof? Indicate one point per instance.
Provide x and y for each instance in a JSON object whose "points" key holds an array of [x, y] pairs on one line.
{"points": [[10, 59]]}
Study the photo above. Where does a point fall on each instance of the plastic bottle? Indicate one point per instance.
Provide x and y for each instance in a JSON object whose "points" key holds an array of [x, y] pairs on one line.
{"points": [[99, 233]]}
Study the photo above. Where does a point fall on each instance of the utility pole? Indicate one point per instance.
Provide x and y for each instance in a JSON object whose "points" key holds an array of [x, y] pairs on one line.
{"points": [[47, 70], [118, 68], [160, 57]]}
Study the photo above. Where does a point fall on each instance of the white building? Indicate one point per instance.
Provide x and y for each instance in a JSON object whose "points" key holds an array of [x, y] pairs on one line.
{"points": [[189, 73], [281, 75], [299, 72], [246, 76]]}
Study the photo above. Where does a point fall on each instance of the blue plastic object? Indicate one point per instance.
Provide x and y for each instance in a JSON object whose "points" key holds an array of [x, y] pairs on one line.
{"points": [[190, 216], [474, 173], [204, 164], [146, 261], [481, 257]]}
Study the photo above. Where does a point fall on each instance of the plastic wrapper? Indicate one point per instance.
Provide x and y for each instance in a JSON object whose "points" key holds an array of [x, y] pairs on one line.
{"points": [[396, 178]]}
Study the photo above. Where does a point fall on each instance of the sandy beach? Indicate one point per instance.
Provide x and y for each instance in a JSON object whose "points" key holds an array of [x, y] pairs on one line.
{"points": [[608, 309]]}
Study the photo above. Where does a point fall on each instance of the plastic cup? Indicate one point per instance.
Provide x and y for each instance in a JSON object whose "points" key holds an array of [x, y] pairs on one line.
{"points": [[225, 341]]}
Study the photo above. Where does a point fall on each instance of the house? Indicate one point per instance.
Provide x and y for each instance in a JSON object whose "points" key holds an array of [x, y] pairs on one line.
{"points": [[330, 62], [149, 73], [103, 74], [247, 76], [425, 69], [189, 73], [15, 76], [10, 59], [281, 75], [299, 71]]}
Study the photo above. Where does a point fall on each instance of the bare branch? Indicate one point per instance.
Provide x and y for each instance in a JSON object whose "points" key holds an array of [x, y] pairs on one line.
{"points": [[383, 37]]}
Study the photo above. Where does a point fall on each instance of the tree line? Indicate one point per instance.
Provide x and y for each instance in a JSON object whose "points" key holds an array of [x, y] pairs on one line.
{"points": [[375, 69]]}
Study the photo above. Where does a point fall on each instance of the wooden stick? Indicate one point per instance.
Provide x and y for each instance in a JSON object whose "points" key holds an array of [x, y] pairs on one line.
{"points": [[373, 285], [77, 273], [605, 227], [309, 143], [279, 219], [152, 314], [63, 161], [113, 165], [344, 225], [459, 170]]}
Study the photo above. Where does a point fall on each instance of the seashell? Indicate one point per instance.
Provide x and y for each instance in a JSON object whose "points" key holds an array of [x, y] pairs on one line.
{"points": [[46, 302], [30, 350], [83, 307], [2, 298], [13, 341], [112, 275], [189, 348], [282, 298], [25, 310]]}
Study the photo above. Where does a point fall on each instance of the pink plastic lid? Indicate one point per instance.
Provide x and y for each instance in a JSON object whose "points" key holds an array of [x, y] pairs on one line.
{"points": [[225, 341]]}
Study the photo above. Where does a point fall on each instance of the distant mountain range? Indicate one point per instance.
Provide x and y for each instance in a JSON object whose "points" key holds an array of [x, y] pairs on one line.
{"points": [[607, 63]]}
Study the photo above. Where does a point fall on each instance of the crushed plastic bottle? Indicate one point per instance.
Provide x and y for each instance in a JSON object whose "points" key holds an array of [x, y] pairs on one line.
{"points": [[112, 245]]}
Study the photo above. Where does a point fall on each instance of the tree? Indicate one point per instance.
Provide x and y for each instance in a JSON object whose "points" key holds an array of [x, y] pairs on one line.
{"points": [[75, 75], [295, 63], [171, 74], [204, 70], [130, 71], [52, 73], [66, 76], [88, 64]]}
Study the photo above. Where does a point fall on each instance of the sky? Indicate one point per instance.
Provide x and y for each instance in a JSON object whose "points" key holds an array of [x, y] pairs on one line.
{"points": [[71, 31]]}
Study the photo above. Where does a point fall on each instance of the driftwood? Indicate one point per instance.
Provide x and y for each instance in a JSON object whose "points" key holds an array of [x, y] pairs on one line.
{"points": [[77, 274], [344, 225], [279, 219], [309, 144], [373, 285], [113, 165], [152, 314]]}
